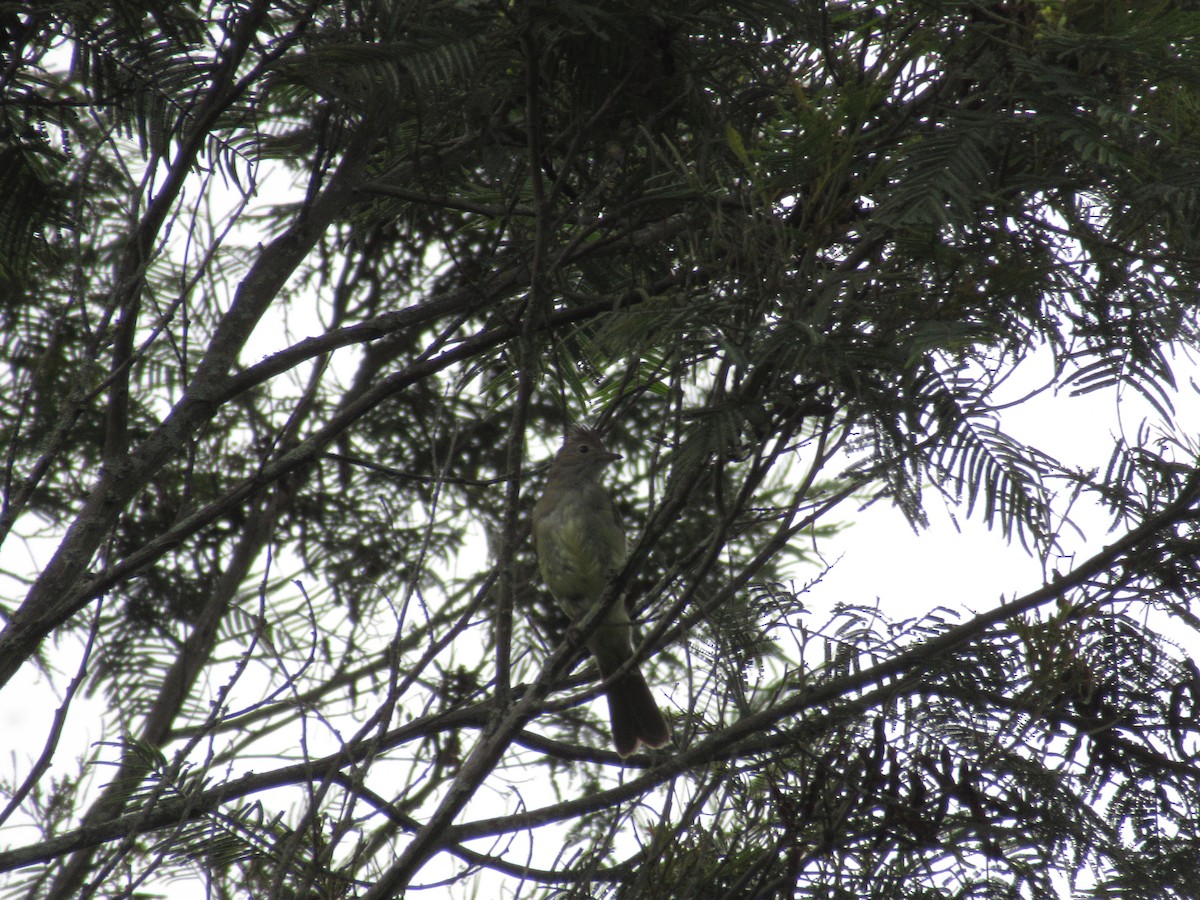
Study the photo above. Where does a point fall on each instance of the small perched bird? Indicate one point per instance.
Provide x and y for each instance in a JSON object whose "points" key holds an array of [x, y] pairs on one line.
{"points": [[580, 546]]}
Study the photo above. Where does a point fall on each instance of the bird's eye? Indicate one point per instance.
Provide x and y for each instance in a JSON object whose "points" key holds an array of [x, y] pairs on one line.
{"points": [[584, 448]]}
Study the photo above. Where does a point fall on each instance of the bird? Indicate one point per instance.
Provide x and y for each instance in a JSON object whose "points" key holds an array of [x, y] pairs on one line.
{"points": [[580, 545]]}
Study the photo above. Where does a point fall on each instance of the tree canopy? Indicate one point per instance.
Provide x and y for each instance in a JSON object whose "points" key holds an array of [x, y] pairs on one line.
{"points": [[297, 298]]}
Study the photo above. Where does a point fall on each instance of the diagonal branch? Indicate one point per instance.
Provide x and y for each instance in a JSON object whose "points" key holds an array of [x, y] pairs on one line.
{"points": [[53, 598]]}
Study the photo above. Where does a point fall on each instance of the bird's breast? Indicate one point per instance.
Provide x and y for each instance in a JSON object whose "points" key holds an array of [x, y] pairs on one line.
{"points": [[579, 548]]}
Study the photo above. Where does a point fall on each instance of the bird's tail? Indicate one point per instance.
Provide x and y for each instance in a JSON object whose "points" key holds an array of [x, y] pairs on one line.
{"points": [[635, 716]]}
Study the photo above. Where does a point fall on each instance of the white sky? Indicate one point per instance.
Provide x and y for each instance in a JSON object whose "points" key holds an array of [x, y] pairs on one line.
{"points": [[879, 559]]}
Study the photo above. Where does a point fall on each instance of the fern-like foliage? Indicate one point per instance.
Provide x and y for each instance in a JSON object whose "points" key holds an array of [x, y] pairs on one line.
{"points": [[296, 299]]}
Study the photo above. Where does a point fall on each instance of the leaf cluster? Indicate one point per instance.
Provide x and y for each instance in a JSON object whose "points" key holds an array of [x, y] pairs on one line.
{"points": [[296, 298]]}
